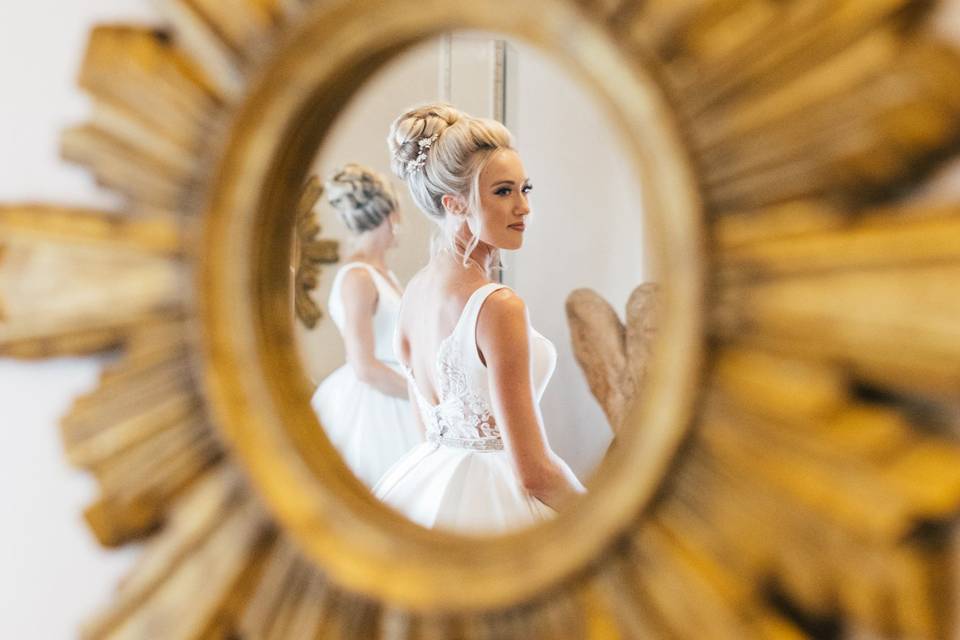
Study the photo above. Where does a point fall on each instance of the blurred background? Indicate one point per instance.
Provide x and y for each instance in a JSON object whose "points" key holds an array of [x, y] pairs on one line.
{"points": [[54, 574]]}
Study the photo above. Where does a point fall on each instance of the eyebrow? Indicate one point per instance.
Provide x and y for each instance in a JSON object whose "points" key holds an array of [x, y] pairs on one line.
{"points": [[509, 182]]}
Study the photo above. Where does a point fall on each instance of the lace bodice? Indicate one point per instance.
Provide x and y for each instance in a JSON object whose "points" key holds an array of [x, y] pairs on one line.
{"points": [[385, 316], [464, 417]]}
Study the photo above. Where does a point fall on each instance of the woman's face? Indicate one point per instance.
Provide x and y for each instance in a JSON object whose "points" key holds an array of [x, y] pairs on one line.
{"points": [[504, 200]]}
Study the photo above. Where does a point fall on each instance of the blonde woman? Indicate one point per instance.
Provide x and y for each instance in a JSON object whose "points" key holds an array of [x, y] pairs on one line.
{"points": [[363, 405], [475, 366]]}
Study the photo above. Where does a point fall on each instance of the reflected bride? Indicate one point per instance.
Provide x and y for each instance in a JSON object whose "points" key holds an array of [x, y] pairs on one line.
{"points": [[475, 367], [362, 405]]}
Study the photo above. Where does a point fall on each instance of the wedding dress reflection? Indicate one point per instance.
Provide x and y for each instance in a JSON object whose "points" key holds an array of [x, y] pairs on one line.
{"points": [[363, 405]]}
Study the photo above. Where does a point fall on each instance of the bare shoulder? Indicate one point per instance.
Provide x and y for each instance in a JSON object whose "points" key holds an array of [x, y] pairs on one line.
{"points": [[504, 303], [357, 278], [358, 284], [503, 315]]}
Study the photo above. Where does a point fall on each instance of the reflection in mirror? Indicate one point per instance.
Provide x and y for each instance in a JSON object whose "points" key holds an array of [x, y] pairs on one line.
{"points": [[368, 393], [491, 316]]}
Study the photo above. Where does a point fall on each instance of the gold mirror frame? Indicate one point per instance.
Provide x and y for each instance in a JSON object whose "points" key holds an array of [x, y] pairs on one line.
{"points": [[821, 479], [250, 353]]}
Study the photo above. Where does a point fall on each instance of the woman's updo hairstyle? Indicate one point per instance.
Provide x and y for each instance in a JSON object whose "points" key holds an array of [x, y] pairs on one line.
{"points": [[362, 197], [439, 150]]}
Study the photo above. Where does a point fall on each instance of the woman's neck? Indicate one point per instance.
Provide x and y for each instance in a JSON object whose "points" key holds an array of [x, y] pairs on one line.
{"points": [[483, 254], [480, 258], [365, 251]]}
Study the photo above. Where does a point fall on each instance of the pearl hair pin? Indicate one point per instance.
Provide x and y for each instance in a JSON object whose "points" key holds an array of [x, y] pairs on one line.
{"points": [[418, 163]]}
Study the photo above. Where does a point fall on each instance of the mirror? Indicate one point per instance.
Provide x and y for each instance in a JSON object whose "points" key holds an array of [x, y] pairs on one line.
{"points": [[810, 387], [453, 446]]}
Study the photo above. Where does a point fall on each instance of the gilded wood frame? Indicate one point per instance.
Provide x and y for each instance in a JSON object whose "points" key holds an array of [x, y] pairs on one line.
{"points": [[268, 418], [819, 483]]}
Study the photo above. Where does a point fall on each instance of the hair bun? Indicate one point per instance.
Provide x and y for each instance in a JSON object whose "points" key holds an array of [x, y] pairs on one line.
{"points": [[415, 132], [362, 198], [439, 150]]}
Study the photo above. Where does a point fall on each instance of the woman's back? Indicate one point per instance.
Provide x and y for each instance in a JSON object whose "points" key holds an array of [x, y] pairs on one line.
{"points": [[385, 314], [432, 306], [444, 362]]}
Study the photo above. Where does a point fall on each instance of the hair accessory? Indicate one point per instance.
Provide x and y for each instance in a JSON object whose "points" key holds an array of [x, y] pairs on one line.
{"points": [[418, 163]]}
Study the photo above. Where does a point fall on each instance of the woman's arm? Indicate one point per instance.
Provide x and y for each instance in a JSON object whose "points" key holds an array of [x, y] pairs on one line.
{"points": [[503, 339], [359, 295]]}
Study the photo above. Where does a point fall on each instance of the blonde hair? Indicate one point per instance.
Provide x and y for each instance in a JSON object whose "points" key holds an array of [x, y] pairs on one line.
{"points": [[362, 197], [439, 150]]}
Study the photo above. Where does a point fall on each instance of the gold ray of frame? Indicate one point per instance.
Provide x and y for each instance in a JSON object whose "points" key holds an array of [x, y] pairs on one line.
{"points": [[309, 252], [817, 487]]}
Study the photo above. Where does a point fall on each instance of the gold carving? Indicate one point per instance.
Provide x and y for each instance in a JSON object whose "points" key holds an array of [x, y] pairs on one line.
{"points": [[309, 253]]}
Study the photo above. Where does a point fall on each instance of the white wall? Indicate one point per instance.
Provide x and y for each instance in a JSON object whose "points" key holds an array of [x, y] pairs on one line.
{"points": [[52, 573], [586, 229]]}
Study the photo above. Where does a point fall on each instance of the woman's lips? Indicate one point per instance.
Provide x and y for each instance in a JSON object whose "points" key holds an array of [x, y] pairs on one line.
{"points": [[519, 226]]}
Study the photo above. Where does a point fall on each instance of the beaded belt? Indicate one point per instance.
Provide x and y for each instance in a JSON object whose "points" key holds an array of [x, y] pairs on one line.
{"points": [[486, 443]]}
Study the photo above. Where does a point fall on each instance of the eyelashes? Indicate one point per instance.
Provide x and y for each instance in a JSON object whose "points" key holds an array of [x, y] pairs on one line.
{"points": [[503, 191]]}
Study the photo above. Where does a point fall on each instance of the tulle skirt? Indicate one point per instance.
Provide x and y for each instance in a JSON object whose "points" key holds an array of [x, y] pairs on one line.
{"points": [[370, 429], [461, 490]]}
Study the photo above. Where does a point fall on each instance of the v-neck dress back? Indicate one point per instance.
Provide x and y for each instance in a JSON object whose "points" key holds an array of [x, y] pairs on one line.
{"points": [[462, 478]]}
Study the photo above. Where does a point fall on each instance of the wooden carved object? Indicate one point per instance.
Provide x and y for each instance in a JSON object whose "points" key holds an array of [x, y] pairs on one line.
{"points": [[309, 253], [614, 355]]}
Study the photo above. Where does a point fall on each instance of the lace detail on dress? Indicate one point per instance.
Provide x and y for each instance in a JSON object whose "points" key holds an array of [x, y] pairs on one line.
{"points": [[462, 418], [462, 415]]}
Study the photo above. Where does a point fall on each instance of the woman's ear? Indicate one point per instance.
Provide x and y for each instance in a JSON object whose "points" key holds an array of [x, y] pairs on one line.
{"points": [[453, 204]]}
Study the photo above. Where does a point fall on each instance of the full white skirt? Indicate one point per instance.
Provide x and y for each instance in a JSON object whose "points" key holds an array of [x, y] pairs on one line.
{"points": [[370, 429], [461, 490]]}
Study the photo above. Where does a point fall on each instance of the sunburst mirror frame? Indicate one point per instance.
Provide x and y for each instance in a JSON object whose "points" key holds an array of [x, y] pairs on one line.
{"points": [[779, 144], [310, 251]]}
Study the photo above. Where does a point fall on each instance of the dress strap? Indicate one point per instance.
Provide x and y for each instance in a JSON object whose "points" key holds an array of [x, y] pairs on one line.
{"points": [[383, 285], [335, 299], [467, 326]]}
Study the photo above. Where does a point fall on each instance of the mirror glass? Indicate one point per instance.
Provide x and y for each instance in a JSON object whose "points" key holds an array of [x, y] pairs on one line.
{"points": [[474, 394]]}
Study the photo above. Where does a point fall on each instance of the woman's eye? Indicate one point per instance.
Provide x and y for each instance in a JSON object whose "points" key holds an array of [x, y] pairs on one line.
{"points": [[528, 188], [503, 191]]}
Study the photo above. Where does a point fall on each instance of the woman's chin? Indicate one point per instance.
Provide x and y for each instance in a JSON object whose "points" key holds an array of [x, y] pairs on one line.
{"points": [[511, 244]]}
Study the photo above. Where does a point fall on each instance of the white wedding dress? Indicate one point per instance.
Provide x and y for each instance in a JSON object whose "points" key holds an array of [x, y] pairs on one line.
{"points": [[369, 428], [462, 478]]}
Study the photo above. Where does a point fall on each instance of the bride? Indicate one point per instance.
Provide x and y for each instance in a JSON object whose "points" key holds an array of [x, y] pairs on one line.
{"points": [[475, 367], [363, 405]]}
